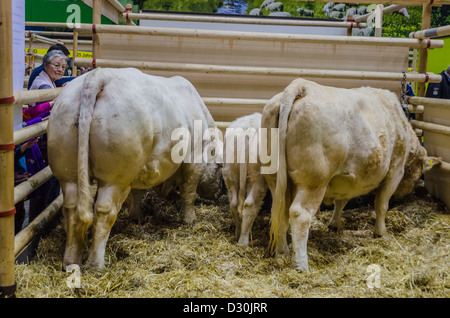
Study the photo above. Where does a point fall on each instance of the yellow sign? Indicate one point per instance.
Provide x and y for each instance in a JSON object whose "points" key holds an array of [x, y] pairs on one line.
{"points": [[80, 54]]}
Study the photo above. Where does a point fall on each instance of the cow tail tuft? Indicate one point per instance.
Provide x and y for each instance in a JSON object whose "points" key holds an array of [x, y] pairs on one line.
{"points": [[280, 202], [92, 85]]}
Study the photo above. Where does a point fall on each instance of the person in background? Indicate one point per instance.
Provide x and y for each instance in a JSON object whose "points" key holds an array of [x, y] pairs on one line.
{"points": [[54, 66], [442, 89], [60, 82]]}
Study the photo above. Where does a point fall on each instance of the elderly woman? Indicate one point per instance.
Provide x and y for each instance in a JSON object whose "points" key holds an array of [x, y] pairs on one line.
{"points": [[34, 152], [55, 64]]}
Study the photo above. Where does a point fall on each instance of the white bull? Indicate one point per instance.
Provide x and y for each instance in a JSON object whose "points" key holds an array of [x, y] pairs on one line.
{"points": [[336, 144], [114, 126], [246, 185]]}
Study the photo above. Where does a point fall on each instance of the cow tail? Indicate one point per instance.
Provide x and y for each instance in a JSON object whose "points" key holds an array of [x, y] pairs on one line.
{"points": [[92, 85], [281, 199]]}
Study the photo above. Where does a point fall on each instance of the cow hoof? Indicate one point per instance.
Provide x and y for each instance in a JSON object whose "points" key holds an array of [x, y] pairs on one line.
{"points": [[189, 219], [243, 241], [335, 229], [95, 264], [302, 269]]}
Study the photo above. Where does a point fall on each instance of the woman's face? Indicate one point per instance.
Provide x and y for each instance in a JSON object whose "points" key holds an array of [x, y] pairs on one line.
{"points": [[56, 68]]}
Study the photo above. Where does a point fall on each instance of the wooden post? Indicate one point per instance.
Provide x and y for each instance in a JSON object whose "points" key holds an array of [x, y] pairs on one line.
{"points": [[7, 210], [129, 9], [96, 20], [75, 52], [423, 53], [378, 20]]}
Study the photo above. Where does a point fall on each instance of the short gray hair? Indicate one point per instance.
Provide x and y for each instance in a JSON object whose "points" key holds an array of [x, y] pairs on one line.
{"points": [[51, 55]]}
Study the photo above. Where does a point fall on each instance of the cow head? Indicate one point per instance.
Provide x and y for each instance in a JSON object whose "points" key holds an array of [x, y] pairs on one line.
{"points": [[210, 186], [418, 162]]}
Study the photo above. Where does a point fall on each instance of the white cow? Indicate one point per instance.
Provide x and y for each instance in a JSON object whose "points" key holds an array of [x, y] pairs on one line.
{"points": [[246, 185], [114, 126], [336, 144]]}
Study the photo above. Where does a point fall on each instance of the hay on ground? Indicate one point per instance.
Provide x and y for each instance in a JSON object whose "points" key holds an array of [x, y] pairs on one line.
{"points": [[163, 257]]}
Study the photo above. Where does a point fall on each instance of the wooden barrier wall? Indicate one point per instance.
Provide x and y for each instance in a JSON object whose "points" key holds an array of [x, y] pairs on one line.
{"points": [[201, 57]]}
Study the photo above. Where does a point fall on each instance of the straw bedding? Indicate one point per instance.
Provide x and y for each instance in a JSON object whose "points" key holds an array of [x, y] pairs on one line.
{"points": [[163, 257]]}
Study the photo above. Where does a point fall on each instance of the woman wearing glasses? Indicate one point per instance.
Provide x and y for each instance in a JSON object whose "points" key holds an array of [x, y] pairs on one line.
{"points": [[55, 64], [34, 154]]}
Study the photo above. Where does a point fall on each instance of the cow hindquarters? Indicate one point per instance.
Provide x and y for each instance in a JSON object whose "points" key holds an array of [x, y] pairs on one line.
{"points": [[303, 207], [109, 201]]}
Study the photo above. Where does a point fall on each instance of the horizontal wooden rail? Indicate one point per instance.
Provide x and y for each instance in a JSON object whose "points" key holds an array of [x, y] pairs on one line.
{"points": [[242, 20], [268, 71], [426, 101], [282, 37], [416, 109], [22, 190], [431, 33], [37, 226], [24, 134], [36, 95], [234, 101], [430, 127], [389, 9]]}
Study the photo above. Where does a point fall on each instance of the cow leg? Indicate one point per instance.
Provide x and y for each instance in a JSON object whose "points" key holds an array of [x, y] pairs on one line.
{"points": [[382, 197], [134, 201], [335, 224], [301, 212], [109, 201], [233, 198], [72, 253], [191, 174], [252, 205]]}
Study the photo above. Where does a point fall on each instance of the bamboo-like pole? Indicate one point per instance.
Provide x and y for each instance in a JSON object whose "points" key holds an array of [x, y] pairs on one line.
{"points": [[36, 95], [46, 24], [25, 188], [96, 20], [416, 109], [268, 71], [431, 33], [7, 210], [128, 9], [234, 101], [434, 128], [241, 20], [36, 226], [74, 52], [43, 39], [423, 52], [426, 101], [386, 10], [378, 20], [116, 4], [257, 36], [24, 134]]}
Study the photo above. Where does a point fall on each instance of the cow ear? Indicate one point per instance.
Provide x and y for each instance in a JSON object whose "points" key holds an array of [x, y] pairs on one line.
{"points": [[430, 162]]}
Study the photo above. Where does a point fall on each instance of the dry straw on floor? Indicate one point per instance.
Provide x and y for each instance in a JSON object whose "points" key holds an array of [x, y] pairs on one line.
{"points": [[163, 257]]}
